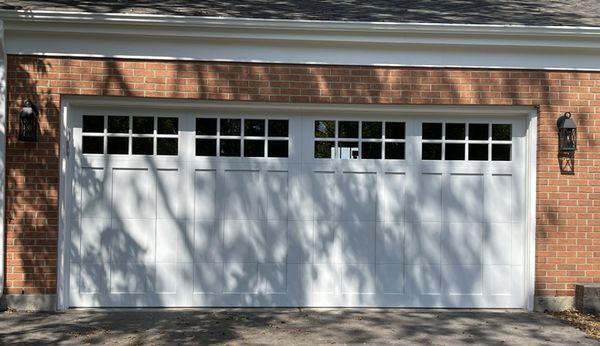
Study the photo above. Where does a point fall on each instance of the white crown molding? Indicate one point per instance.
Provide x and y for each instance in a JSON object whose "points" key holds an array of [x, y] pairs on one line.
{"points": [[300, 41]]}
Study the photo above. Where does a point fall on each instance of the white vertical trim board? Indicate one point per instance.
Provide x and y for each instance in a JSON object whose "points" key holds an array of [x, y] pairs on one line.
{"points": [[531, 202]]}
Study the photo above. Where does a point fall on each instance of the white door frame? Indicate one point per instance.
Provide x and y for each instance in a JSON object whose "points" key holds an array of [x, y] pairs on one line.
{"points": [[68, 103]]}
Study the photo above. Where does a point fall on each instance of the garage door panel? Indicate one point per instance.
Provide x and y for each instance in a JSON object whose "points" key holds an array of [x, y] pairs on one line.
{"points": [[272, 278], [205, 194], [327, 243], [462, 279], [94, 277], [390, 242], [324, 195], [240, 278], [325, 278], [276, 184], [462, 243], [208, 243], [497, 280], [136, 201], [301, 239], [465, 198], [93, 197], [394, 200], [167, 277], [241, 195], [208, 278], [276, 244], [129, 277], [132, 240], [358, 278], [174, 241], [428, 192], [95, 239], [358, 196], [424, 279], [244, 241], [390, 278], [358, 242], [168, 193], [497, 245], [499, 197], [423, 242]]}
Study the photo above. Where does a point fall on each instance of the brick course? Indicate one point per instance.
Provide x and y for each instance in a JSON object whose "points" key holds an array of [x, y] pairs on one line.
{"points": [[568, 206]]}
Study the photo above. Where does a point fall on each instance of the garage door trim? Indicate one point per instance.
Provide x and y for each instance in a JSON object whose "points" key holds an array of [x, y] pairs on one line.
{"points": [[75, 104]]}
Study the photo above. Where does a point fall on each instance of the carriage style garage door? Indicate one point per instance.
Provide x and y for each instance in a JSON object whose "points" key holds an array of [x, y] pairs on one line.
{"points": [[233, 208]]}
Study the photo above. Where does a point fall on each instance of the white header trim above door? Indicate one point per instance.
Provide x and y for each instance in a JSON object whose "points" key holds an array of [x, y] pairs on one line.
{"points": [[136, 36]]}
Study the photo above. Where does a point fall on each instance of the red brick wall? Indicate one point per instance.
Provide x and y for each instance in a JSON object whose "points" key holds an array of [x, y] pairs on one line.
{"points": [[568, 207]]}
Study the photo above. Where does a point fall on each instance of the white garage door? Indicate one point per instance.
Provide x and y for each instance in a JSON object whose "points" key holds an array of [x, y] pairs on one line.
{"points": [[250, 209]]}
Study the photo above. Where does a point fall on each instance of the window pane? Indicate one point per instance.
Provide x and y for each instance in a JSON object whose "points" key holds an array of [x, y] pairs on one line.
{"points": [[395, 130], [431, 151], [93, 123], [325, 129], [455, 131], [231, 127], [348, 150], [371, 150], [142, 146], [371, 129], [478, 131], [206, 147], [348, 129], [118, 124], [278, 148], [118, 145], [394, 151], [478, 152], [501, 132], [324, 150], [500, 152], [254, 148], [455, 151], [230, 147], [167, 126], [166, 146], [206, 126], [431, 130], [92, 145], [254, 127], [143, 125], [278, 128]]}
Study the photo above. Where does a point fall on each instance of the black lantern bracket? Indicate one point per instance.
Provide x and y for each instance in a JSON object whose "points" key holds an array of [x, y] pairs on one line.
{"points": [[28, 122], [567, 143]]}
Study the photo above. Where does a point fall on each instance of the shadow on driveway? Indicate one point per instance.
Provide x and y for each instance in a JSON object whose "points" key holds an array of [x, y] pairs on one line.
{"points": [[289, 326]]}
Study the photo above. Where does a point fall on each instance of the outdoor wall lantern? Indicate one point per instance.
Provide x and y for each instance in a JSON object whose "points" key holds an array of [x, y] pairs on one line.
{"points": [[567, 143], [28, 122]]}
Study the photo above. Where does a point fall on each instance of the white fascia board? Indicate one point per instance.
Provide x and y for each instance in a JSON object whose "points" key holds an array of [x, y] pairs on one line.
{"points": [[300, 41]]}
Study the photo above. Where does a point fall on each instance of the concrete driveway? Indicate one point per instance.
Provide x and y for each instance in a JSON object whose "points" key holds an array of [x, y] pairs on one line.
{"points": [[287, 326]]}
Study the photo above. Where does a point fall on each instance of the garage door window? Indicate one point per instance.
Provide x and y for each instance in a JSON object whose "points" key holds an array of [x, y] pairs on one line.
{"points": [[130, 135], [466, 141], [352, 140], [236, 137]]}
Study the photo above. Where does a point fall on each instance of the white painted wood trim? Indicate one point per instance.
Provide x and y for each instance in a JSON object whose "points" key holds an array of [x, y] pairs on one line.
{"points": [[247, 108], [62, 278], [531, 203], [3, 120], [138, 36]]}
